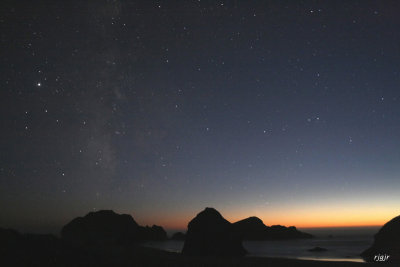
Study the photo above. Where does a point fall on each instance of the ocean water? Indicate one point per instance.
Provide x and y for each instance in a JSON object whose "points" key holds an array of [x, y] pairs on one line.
{"points": [[342, 244]]}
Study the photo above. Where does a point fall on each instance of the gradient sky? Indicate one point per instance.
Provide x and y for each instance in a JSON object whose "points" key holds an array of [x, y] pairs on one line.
{"points": [[285, 110]]}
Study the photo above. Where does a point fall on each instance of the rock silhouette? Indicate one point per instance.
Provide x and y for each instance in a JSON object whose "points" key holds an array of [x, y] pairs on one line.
{"points": [[103, 227], [209, 234], [386, 243], [152, 233], [253, 228], [178, 236], [10, 238], [18, 249], [282, 232], [106, 227]]}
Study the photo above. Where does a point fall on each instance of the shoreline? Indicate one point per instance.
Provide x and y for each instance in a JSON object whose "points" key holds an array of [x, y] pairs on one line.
{"points": [[268, 249], [179, 259], [323, 259], [328, 259], [52, 252]]}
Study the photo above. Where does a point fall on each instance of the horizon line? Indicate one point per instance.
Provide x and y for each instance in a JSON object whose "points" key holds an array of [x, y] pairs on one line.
{"points": [[301, 227]]}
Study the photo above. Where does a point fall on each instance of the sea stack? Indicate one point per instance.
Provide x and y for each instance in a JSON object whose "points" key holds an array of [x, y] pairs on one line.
{"points": [[209, 234], [253, 228], [178, 236], [103, 227], [386, 246]]}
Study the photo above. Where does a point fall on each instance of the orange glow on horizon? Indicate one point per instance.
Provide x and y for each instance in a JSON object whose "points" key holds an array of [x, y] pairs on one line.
{"points": [[183, 225], [301, 218], [182, 222]]}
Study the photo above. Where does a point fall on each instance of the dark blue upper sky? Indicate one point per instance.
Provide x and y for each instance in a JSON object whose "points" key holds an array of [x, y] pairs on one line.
{"points": [[287, 110]]}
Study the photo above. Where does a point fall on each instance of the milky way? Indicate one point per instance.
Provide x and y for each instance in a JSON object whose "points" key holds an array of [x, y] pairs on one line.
{"points": [[159, 109]]}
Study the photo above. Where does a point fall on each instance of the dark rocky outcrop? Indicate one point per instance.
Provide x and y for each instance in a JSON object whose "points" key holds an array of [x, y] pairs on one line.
{"points": [[106, 227], [103, 227], [253, 228], [386, 243], [152, 233], [282, 232], [18, 249], [209, 234], [178, 236], [10, 238]]}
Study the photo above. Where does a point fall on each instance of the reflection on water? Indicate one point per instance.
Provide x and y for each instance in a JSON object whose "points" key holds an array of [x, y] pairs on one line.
{"points": [[330, 259], [343, 248], [169, 245]]}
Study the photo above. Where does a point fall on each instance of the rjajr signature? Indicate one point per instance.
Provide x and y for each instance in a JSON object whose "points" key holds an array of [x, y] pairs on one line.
{"points": [[383, 257]]}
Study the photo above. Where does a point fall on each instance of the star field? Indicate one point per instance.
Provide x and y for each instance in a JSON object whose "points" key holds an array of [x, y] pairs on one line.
{"points": [[158, 109]]}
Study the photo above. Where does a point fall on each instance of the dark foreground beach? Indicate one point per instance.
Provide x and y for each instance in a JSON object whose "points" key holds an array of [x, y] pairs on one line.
{"points": [[140, 256]]}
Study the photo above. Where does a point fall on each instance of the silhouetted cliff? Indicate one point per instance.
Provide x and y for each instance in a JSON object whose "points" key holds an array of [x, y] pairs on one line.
{"points": [[253, 228], [106, 227], [178, 236], [386, 243], [209, 234], [152, 233], [18, 249], [103, 227]]}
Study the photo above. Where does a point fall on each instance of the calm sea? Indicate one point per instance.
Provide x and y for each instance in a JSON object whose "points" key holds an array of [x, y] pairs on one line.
{"points": [[342, 244]]}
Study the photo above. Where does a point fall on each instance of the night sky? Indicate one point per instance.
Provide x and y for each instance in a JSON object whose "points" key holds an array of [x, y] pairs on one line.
{"points": [[286, 110]]}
